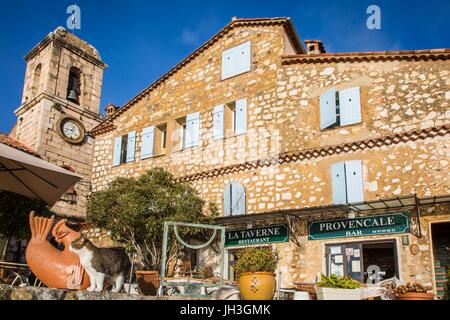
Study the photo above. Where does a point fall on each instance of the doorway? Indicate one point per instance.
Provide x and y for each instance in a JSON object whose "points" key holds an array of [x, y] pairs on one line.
{"points": [[440, 233]]}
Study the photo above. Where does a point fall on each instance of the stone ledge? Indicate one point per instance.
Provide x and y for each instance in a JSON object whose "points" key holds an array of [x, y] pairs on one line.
{"points": [[33, 293]]}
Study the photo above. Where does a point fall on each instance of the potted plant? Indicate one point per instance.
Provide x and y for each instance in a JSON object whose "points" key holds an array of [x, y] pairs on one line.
{"points": [[134, 211], [413, 291], [338, 288], [256, 271]]}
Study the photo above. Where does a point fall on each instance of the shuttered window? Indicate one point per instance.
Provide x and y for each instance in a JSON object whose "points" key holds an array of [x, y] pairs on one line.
{"points": [[218, 122], [192, 135], [236, 60], [328, 115], [148, 136], [347, 180], [241, 116], [341, 108], [243, 58], [131, 147], [117, 151], [234, 199], [124, 148], [349, 106]]}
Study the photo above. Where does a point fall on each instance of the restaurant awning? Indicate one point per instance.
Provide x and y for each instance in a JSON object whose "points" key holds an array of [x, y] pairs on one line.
{"points": [[411, 202], [25, 174]]}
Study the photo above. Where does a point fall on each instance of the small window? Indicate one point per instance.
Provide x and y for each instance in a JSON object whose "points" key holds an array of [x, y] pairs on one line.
{"points": [[340, 108], [124, 149], [234, 199], [123, 153], [236, 117], [187, 132], [160, 139], [347, 181]]}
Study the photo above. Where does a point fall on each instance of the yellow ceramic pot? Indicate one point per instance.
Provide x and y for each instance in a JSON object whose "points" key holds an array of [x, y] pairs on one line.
{"points": [[257, 285]]}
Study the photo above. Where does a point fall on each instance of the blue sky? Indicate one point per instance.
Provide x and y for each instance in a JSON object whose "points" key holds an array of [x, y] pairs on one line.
{"points": [[141, 40]]}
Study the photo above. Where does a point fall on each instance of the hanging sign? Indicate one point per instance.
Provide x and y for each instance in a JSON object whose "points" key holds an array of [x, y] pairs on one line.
{"points": [[264, 235], [367, 226]]}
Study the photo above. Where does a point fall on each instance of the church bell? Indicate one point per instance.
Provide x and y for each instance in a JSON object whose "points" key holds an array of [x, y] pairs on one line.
{"points": [[72, 96]]}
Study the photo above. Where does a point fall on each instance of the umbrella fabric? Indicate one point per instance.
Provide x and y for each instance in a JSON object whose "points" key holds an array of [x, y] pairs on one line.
{"points": [[32, 177]]}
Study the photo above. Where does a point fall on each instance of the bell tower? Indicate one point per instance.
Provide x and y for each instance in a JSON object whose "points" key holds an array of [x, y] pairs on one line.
{"points": [[60, 105]]}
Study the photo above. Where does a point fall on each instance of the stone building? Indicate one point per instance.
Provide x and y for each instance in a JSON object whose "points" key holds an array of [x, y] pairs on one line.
{"points": [[340, 159], [60, 106]]}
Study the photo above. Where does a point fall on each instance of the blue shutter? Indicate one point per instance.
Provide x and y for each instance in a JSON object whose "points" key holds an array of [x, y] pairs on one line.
{"points": [[241, 116], [218, 122], [328, 109], [117, 151], [228, 63], [148, 139], [237, 199], [227, 200], [350, 106], [338, 180], [131, 146], [243, 58], [192, 130], [354, 178]]}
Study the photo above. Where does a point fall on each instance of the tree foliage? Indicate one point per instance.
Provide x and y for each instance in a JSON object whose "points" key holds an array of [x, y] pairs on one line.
{"points": [[14, 211], [134, 211]]}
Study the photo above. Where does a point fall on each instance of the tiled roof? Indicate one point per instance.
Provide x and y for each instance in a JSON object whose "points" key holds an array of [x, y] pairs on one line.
{"points": [[10, 142], [322, 152], [238, 22], [433, 54]]}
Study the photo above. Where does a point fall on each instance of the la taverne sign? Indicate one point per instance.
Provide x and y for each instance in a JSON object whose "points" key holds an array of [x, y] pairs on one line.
{"points": [[367, 226], [264, 235]]}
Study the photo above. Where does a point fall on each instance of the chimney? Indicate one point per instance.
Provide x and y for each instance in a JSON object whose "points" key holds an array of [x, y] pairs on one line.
{"points": [[315, 47], [111, 109]]}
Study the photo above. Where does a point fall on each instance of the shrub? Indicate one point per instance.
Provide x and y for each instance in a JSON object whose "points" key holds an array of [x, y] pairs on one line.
{"points": [[257, 260], [338, 282], [134, 211]]}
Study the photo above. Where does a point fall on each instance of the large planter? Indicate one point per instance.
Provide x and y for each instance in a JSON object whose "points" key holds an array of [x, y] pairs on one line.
{"points": [[415, 296], [338, 294], [148, 282], [257, 285]]}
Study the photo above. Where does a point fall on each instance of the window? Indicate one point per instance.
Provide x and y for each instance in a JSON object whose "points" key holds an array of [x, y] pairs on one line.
{"points": [[230, 119], [234, 202], [354, 260], [160, 139], [74, 85], [340, 108], [236, 61], [347, 180], [147, 142], [124, 149], [187, 132]]}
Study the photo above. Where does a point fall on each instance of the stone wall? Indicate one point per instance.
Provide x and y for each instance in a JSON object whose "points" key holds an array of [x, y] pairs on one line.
{"points": [[32, 293]]}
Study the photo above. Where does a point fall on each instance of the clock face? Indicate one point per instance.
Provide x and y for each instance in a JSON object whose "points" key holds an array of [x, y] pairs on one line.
{"points": [[71, 130]]}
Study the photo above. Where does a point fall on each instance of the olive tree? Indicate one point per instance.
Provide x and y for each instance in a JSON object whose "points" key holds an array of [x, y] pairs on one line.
{"points": [[134, 211]]}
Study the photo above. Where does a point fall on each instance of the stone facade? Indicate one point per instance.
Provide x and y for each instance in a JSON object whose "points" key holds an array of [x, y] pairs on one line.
{"points": [[45, 102], [284, 160]]}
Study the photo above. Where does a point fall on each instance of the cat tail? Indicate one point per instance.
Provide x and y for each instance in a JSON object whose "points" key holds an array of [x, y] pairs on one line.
{"points": [[40, 226]]}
